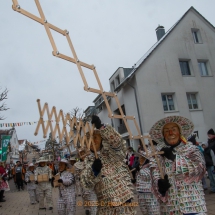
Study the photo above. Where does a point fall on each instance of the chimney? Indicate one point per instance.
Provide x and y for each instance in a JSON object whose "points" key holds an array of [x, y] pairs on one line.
{"points": [[160, 31]]}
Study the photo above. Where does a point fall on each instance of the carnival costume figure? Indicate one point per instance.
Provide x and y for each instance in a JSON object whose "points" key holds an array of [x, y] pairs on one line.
{"points": [[67, 199], [31, 186], [108, 175], [78, 168], [147, 201], [44, 187], [88, 195], [181, 191]]}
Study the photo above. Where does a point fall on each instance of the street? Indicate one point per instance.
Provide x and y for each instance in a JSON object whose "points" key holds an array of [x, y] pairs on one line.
{"points": [[17, 203]]}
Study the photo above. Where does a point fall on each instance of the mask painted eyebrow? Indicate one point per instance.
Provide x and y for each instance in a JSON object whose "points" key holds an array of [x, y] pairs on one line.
{"points": [[170, 128]]}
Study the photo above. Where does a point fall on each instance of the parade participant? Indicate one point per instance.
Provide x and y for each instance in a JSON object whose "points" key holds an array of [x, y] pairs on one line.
{"points": [[19, 175], [44, 187], [181, 190], [3, 182], [108, 175], [67, 198], [71, 166], [147, 201], [79, 166], [88, 195], [31, 186]]}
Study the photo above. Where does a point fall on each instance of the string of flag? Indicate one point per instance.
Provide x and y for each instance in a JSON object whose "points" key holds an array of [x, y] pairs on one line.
{"points": [[32, 143], [14, 124]]}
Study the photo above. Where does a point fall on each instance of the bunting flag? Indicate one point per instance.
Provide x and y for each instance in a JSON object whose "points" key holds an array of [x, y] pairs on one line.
{"points": [[37, 142], [13, 124]]}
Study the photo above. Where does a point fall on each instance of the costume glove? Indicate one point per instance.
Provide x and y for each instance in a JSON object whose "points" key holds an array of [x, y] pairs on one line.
{"points": [[96, 121], [168, 153], [36, 182], [60, 181], [133, 181], [138, 168], [96, 166], [163, 185]]}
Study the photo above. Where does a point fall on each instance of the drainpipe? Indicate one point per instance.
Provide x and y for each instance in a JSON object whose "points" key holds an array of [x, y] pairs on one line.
{"points": [[138, 110]]}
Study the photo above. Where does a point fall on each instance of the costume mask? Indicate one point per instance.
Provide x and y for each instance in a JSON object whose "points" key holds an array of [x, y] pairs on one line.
{"points": [[171, 133], [142, 160], [31, 168], [42, 164], [62, 166]]}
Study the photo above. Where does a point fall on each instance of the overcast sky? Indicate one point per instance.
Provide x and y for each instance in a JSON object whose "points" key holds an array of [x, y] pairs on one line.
{"points": [[106, 33]]}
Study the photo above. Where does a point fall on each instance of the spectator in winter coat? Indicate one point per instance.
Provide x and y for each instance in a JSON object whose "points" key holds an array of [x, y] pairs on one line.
{"points": [[210, 163], [3, 184], [19, 175], [211, 139]]}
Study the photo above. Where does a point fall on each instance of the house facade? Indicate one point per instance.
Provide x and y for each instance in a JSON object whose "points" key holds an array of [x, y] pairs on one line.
{"points": [[175, 77]]}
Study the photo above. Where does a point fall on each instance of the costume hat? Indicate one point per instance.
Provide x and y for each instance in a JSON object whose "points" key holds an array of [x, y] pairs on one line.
{"points": [[42, 159], [63, 161], [185, 125]]}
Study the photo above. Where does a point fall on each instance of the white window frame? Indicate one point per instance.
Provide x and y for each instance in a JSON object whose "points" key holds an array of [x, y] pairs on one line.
{"points": [[206, 63], [196, 36], [189, 94], [117, 80], [173, 99]]}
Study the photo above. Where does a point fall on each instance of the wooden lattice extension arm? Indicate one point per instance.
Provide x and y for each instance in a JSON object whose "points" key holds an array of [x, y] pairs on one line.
{"points": [[74, 59]]}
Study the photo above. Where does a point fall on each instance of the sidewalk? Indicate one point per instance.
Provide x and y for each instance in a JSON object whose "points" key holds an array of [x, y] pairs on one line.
{"points": [[17, 203]]}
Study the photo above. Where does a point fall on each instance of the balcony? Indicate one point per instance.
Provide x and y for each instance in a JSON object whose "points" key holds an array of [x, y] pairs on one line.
{"points": [[122, 129]]}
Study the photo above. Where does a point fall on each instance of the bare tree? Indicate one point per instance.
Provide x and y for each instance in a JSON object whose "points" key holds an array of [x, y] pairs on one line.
{"points": [[77, 112], [3, 106]]}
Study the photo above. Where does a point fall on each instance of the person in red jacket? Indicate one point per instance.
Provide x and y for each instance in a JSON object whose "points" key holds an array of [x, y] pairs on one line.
{"points": [[3, 184], [131, 161]]}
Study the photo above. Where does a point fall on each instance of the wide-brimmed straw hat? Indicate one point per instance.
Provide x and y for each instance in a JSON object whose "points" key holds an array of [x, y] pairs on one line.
{"points": [[63, 161], [185, 125], [30, 164], [72, 159], [41, 159]]}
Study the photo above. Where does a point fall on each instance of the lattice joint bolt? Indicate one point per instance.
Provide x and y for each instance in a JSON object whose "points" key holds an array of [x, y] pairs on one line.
{"points": [[67, 32], [124, 116], [112, 115], [134, 117], [94, 67], [57, 52], [18, 6], [78, 60], [45, 21], [41, 117], [132, 137], [88, 88], [141, 136], [115, 94]]}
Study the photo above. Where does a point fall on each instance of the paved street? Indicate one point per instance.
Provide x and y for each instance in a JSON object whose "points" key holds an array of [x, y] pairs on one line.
{"points": [[17, 203]]}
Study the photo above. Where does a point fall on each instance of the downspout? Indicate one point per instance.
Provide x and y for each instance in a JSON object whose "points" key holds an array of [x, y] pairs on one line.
{"points": [[138, 110]]}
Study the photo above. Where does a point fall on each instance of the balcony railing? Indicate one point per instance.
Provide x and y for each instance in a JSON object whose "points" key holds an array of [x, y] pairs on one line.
{"points": [[122, 129]]}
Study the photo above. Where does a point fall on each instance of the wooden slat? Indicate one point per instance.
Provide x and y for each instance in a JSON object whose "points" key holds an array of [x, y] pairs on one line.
{"points": [[93, 90], [46, 26], [86, 65]]}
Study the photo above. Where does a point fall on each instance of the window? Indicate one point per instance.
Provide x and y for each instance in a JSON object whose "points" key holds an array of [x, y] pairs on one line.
{"points": [[192, 101], [203, 68], [168, 102], [185, 69], [112, 86], [196, 36], [117, 80]]}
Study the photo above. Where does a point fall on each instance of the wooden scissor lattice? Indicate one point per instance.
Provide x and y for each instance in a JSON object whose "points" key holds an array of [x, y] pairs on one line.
{"points": [[74, 59], [64, 128]]}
